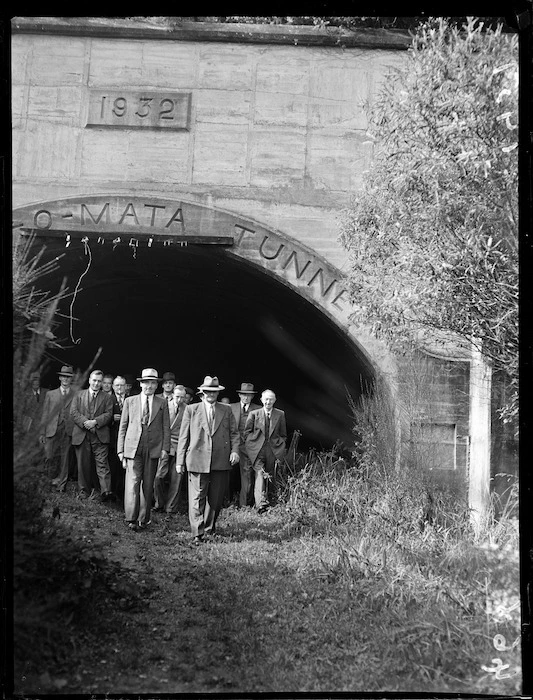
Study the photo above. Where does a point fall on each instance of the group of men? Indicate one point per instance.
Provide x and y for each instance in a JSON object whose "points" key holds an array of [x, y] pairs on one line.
{"points": [[141, 445]]}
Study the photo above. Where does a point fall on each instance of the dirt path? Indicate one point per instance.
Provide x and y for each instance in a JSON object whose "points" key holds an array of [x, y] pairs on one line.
{"points": [[261, 608], [231, 615]]}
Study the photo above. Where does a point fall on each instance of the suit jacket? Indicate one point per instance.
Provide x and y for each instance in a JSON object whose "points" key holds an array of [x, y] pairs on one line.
{"points": [[33, 408], [175, 427], [80, 412], [56, 405], [130, 429], [117, 410], [240, 417], [201, 450], [255, 433]]}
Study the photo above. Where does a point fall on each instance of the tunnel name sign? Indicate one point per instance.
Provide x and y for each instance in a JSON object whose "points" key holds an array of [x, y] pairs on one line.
{"points": [[142, 222]]}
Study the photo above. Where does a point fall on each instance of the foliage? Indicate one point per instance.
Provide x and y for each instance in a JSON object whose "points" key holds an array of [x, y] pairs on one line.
{"points": [[414, 568], [433, 236], [350, 22], [34, 314]]}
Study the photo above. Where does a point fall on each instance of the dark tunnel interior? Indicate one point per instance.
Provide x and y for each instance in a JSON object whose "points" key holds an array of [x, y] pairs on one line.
{"points": [[199, 311]]}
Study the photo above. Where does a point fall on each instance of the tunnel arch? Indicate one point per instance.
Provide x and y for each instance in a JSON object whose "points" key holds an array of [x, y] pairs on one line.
{"points": [[184, 265]]}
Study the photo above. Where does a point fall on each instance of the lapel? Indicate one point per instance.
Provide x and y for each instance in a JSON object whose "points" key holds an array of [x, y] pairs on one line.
{"points": [[203, 417], [65, 400], [274, 418], [179, 412], [219, 412], [88, 400], [156, 406], [99, 401], [262, 420]]}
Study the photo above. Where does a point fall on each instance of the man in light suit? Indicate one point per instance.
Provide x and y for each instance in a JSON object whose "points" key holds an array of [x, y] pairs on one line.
{"points": [[92, 412], [241, 409], [209, 446], [166, 499], [143, 437], [56, 429], [265, 438]]}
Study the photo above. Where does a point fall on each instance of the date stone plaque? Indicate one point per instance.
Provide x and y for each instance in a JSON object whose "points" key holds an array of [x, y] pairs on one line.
{"points": [[139, 110]]}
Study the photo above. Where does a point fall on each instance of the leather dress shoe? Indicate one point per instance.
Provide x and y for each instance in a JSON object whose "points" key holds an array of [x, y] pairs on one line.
{"points": [[197, 541], [132, 526]]}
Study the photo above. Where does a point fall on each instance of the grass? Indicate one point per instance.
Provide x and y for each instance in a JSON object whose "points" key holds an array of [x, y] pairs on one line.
{"points": [[329, 591]]}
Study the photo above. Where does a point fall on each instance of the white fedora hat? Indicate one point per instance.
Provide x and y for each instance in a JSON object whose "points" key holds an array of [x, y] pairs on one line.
{"points": [[149, 373]]}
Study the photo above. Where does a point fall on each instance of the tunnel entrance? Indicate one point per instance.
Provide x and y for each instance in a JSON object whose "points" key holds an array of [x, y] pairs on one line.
{"points": [[195, 311], [188, 288]]}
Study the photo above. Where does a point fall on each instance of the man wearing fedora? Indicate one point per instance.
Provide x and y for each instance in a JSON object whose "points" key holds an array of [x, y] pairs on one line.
{"points": [[265, 438], [92, 412], [143, 438], [56, 428], [208, 446], [240, 410], [167, 481], [168, 382]]}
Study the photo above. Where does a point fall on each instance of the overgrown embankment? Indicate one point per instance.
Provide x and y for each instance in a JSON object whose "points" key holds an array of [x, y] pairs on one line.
{"points": [[343, 586]]}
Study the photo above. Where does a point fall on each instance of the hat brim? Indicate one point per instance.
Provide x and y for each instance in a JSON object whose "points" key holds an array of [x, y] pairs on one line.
{"points": [[149, 379], [242, 391], [65, 374], [211, 388]]}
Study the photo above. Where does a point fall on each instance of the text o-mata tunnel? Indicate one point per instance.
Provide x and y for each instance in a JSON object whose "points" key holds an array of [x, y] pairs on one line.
{"points": [[197, 310]]}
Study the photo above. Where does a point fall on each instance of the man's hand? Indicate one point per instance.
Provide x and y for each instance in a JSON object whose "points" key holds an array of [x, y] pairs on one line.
{"points": [[234, 458], [164, 454], [180, 469], [116, 417], [121, 459], [88, 424]]}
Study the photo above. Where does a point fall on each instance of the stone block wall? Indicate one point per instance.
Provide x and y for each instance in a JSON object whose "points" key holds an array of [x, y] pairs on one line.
{"points": [[276, 134]]}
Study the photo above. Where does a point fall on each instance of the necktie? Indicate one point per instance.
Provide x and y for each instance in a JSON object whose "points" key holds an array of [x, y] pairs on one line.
{"points": [[146, 412], [211, 417], [267, 425], [244, 408], [93, 402]]}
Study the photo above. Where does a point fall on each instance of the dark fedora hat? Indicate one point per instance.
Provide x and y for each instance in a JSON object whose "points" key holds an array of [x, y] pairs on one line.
{"points": [[168, 377], [66, 371], [246, 388]]}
